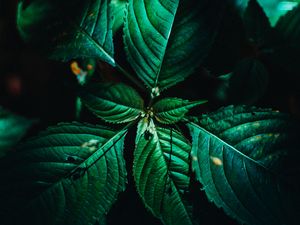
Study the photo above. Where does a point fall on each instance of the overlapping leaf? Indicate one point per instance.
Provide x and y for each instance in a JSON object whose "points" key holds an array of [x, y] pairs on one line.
{"points": [[289, 26], [115, 103], [70, 174], [118, 11], [12, 129], [257, 24], [161, 172], [171, 110], [246, 159], [166, 40], [68, 29], [245, 85]]}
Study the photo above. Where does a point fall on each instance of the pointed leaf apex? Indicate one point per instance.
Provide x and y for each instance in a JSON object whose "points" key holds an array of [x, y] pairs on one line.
{"points": [[172, 110]]}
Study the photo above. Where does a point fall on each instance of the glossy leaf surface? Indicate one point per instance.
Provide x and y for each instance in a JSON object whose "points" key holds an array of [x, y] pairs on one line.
{"points": [[161, 172], [166, 40], [68, 29], [171, 110], [115, 103], [70, 174], [245, 159]]}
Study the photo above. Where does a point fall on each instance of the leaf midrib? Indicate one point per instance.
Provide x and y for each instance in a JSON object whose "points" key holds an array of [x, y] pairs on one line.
{"points": [[116, 103], [187, 106], [81, 30], [164, 54], [60, 180], [170, 177], [231, 147]]}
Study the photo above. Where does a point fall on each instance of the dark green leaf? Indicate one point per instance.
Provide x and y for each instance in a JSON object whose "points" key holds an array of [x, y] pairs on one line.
{"points": [[115, 103], [289, 26], [71, 174], [245, 85], [256, 23], [166, 40], [68, 29], [161, 172], [12, 129], [285, 54], [171, 110], [247, 161]]}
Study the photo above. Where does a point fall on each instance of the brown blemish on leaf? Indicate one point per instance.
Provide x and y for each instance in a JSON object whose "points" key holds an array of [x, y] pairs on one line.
{"points": [[216, 161], [195, 158]]}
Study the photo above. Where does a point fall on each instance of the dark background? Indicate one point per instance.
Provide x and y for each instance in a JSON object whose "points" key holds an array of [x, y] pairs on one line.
{"points": [[35, 87]]}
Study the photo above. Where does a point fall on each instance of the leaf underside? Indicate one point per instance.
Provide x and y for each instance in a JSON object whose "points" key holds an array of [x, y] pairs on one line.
{"points": [[69, 29], [115, 103], [246, 159], [172, 110], [63, 176], [12, 129], [161, 172], [166, 40]]}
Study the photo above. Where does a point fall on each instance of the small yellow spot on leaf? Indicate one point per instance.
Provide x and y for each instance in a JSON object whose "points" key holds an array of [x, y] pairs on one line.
{"points": [[257, 124], [195, 158], [92, 145], [217, 161], [258, 137]]}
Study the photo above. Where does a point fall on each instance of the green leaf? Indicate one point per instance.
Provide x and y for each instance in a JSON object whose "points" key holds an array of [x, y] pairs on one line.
{"points": [[171, 110], [12, 129], [71, 174], [161, 172], [247, 161], [118, 11], [257, 24], [166, 40], [245, 85], [285, 55], [115, 103], [68, 29], [289, 26]]}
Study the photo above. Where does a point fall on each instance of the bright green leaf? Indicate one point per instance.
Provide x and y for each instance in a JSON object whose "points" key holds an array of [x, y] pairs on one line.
{"points": [[247, 161], [245, 85], [12, 129], [171, 110], [68, 29], [166, 40], [161, 172], [114, 103], [71, 174], [118, 11], [256, 23]]}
